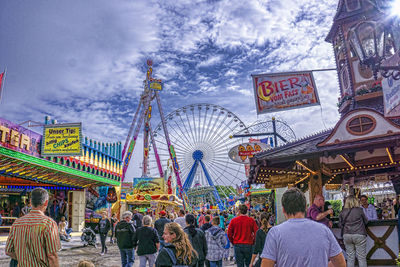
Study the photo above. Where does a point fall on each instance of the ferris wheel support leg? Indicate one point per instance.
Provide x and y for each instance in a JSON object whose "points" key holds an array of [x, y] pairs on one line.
{"points": [[131, 128], [170, 148], [189, 179], [135, 135], [215, 192], [153, 142]]}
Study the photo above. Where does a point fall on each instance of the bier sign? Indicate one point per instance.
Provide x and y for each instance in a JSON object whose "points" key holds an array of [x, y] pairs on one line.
{"points": [[62, 140], [281, 91]]}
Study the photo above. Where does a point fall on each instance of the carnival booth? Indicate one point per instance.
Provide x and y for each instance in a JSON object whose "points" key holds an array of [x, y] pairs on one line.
{"points": [[262, 200], [149, 195], [61, 161]]}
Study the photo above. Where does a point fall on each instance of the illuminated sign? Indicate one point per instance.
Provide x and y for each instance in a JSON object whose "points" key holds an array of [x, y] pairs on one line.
{"points": [[282, 91], [241, 153], [155, 84], [18, 138], [62, 140]]}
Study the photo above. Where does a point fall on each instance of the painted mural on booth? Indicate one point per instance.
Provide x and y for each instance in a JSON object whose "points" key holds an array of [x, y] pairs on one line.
{"points": [[98, 200]]}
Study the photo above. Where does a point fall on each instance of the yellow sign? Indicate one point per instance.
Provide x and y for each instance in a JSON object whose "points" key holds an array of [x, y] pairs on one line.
{"points": [[155, 84], [62, 140]]}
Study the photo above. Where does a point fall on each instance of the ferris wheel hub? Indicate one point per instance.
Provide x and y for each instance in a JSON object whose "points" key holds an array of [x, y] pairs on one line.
{"points": [[197, 155]]}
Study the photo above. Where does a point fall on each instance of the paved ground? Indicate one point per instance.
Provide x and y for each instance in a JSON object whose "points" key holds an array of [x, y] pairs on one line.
{"points": [[73, 252]]}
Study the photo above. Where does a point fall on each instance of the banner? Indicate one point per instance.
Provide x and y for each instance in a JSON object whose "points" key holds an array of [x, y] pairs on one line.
{"points": [[62, 140], [391, 97], [282, 91]]}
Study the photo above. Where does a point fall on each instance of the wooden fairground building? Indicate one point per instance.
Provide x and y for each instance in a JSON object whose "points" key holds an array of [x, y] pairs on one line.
{"points": [[364, 145], [67, 178]]}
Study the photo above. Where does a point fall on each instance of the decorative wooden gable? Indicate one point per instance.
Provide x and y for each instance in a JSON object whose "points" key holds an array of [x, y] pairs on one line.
{"points": [[360, 124]]}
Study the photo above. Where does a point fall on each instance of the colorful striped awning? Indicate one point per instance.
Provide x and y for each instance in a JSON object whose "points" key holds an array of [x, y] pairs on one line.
{"points": [[20, 165]]}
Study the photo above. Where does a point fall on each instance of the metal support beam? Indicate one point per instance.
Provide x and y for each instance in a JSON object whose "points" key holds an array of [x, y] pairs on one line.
{"points": [[211, 183], [189, 180]]}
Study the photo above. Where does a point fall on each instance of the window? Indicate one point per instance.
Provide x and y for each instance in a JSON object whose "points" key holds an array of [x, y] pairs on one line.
{"points": [[360, 125]]}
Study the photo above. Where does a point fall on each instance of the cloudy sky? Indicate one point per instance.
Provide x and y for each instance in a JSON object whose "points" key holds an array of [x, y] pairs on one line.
{"points": [[85, 61]]}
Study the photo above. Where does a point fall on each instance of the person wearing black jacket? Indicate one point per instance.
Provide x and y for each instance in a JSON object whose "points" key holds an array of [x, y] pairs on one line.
{"points": [[125, 234], [147, 243], [261, 235], [104, 226], [137, 219], [197, 239], [159, 226]]}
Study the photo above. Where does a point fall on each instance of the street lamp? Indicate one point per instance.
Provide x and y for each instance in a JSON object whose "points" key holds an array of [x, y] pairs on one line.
{"points": [[373, 43]]}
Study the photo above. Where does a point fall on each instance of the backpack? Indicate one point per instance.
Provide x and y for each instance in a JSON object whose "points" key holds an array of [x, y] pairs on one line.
{"points": [[172, 256], [228, 244]]}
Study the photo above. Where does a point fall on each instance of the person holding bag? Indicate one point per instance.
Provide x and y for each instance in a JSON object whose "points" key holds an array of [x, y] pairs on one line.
{"points": [[261, 235], [352, 220]]}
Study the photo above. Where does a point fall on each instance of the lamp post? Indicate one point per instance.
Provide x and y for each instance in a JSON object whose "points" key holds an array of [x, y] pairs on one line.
{"points": [[375, 42]]}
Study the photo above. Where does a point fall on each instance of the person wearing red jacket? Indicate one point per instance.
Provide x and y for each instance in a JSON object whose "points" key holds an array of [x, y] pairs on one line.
{"points": [[241, 233]]}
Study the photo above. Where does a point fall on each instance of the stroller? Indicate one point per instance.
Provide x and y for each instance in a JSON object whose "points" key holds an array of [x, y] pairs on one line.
{"points": [[88, 237]]}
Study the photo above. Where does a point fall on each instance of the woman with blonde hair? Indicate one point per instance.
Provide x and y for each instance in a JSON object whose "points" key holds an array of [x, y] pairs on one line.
{"points": [[178, 249], [352, 220]]}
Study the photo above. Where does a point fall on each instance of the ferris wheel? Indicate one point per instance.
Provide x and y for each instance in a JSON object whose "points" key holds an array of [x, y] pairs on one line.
{"points": [[278, 131], [200, 135]]}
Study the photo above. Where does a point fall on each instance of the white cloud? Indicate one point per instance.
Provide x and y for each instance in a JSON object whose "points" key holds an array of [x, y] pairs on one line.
{"points": [[86, 62], [231, 72], [212, 60]]}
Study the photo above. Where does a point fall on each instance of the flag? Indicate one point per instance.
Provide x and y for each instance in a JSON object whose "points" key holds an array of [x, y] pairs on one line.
{"points": [[1, 80], [2, 77]]}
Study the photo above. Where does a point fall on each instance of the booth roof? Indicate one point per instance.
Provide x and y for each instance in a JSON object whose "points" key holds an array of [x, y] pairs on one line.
{"points": [[17, 164]]}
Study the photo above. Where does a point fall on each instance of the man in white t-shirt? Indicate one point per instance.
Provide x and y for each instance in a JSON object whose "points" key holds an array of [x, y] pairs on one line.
{"points": [[299, 241], [181, 219]]}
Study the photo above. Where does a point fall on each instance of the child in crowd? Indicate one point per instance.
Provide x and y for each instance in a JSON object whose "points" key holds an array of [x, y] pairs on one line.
{"points": [[63, 232], [86, 264]]}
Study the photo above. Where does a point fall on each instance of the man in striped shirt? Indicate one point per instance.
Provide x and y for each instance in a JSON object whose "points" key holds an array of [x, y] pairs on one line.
{"points": [[34, 239]]}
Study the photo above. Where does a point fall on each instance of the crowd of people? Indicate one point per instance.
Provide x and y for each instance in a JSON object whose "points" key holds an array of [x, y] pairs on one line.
{"points": [[206, 238]]}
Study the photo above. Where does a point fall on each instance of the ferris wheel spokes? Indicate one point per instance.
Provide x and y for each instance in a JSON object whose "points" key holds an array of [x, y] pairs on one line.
{"points": [[205, 128]]}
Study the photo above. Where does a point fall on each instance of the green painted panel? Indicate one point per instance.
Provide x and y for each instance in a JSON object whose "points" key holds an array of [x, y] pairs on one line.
{"points": [[54, 166]]}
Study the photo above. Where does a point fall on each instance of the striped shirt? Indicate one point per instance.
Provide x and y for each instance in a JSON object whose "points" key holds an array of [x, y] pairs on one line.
{"points": [[33, 237]]}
